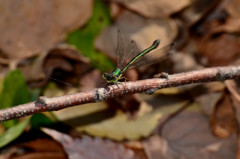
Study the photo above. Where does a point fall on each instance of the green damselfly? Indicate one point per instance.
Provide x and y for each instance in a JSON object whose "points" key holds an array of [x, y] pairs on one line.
{"points": [[137, 59]]}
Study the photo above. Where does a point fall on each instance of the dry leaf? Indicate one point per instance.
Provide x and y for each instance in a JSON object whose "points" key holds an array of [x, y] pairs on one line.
{"points": [[208, 101], [97, 120], [221, 50], [87, 147], [233, 87], [184, 62], [66, 61], [39, 144], [188, 136], [29, 27], [198, 10], [223, 120], [231, 25], [154, 8], [233, 8], [143, 31]]}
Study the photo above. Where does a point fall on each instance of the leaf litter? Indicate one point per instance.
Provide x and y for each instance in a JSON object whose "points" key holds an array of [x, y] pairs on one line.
{"points": [[36, 26], [188, 136], [207, 35]]}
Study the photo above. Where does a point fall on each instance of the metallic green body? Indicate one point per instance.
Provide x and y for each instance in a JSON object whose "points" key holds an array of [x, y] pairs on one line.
{"points": [[116, 74], [141, 54]]}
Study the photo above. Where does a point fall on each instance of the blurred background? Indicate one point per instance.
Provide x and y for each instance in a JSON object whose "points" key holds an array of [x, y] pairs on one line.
{"points": [[58, 47]]}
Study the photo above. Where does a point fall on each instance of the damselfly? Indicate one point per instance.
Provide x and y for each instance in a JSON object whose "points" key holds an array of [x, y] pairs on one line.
{"points": [[137, 59]]}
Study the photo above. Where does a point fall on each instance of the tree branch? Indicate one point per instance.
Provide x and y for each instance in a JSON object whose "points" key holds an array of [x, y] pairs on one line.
{"points": [[99, 94]]}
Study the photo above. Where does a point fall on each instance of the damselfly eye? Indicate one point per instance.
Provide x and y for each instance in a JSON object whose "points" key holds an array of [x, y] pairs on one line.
{"points": [[104, 75]]}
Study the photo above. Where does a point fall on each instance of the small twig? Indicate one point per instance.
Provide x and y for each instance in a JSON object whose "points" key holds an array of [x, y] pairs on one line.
{"points": [[99, 94]]}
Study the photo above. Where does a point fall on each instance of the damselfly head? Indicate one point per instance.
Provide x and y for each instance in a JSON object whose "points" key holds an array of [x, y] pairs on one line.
{"points": [[107, 76]]}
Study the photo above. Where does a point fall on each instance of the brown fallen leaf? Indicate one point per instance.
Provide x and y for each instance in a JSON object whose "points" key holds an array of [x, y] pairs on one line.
{"points": [[221, 50], [8, 153], [33, 146], [223, 121], [208, 101], [184, 62], [233, 87], [208, 95], [134, 27], [188, 136], [213, 37], [190, 23], [86, 147], [39, 144], [29, 27], [62, 63], [154, 8], [231, 25], [197, 10], [233, 8]]}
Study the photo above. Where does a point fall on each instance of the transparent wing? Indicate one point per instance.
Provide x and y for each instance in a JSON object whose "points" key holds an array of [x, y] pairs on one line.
{"points": [[153, 57], [120, 49], [126, 50]]}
